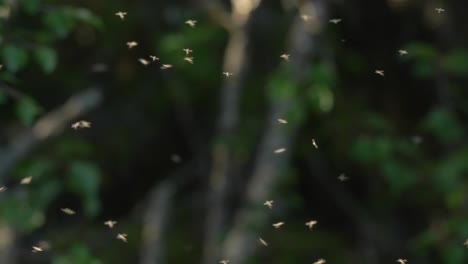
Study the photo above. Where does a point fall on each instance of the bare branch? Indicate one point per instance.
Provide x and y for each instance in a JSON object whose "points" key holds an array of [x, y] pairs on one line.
{"points": [[235, 62], [51, 124], [241, 240], [155, 223]]}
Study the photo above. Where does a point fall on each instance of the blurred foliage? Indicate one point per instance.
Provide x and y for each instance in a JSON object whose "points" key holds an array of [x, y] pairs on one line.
{"points": [[402, 139]]}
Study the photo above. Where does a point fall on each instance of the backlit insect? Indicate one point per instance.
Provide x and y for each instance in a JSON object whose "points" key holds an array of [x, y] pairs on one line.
{"points": [[285, 56], [402, 261], [380, 72], [3, 188], [143, 61], [311, 224], [440, 10], [131, 44], [110, 223], [320, 261], [121, 15], [343, 177], [227, 74], [224, 261], [278, 225], [153, 58], [281, 150], [26, 180], [306, 17], [335, 20], [191, 22], [314, 143], [36, 249], [81, 124], [269, 204], [189, 59], [282, 121], [68, 211], [403, 52], [263, 242], [187, 51], [166, 66], [122, 237], [466, 242], [176, 158]]}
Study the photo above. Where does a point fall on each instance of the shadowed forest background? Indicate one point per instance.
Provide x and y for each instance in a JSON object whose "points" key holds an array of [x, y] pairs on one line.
{"points": [[184, 158]]}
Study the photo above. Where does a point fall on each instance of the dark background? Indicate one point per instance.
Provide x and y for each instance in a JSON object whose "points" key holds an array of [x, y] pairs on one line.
{"points": [[183, 158]]}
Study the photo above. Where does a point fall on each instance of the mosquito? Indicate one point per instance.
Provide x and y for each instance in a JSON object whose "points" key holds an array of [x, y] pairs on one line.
{"points": [[26, 180], [36, 249], [131, 44], [143, 61], [189, 59], [191, 22], [81, 124], [311, 224], [68, 211], [263, 242], [343, 177], [403, 52], [269, 204], [285, 56], [282, 121], [320, 261], [110, 223], [121, 15], [166, 66], [281, 150], [306, 17], [314, 143], [278, 225], [380, 72], [122, 237]]}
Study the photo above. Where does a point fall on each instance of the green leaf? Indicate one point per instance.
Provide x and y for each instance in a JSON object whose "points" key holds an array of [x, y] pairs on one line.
{"points": [[280, 86], [44, 193], [59, 22], [86, 16], [456, 62], [423, 69], [77, 254], [30, 6], [14, 58], [421, 51], [398, 175], [84, 179], [444, 125], [47, 58], [27, 110], [3, 97], [17, 212]]}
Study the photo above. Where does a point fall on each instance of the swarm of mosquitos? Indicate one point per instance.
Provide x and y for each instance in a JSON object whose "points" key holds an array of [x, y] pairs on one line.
{"points": [[82, 124]]}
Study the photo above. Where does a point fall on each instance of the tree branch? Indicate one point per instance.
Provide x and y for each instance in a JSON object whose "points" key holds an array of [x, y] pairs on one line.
{"points": [[241, 240], [51, 124], [235, 62]]}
